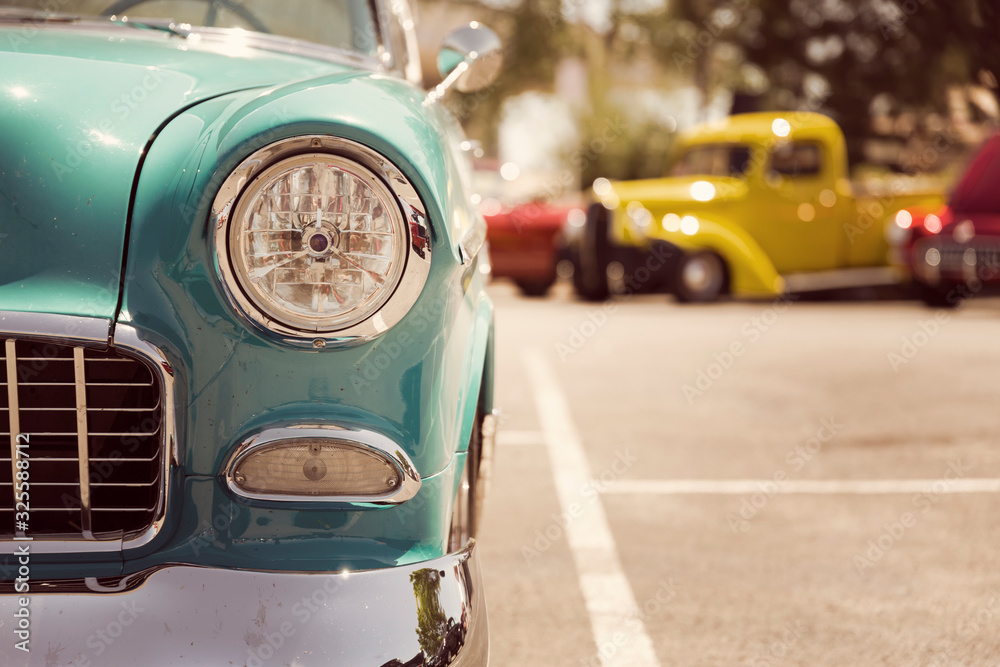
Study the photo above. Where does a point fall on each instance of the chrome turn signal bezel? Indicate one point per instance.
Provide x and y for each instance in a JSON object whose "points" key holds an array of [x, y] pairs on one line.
{"points": [[367, 442]]}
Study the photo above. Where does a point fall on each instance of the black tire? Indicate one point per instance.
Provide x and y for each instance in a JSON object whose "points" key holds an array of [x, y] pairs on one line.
{"points": [[590, 270], [535, 288], [938, 297], [702, 277]]}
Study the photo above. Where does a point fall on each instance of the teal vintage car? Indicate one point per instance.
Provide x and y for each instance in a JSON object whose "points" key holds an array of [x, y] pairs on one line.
{"points": [[247, 356]]}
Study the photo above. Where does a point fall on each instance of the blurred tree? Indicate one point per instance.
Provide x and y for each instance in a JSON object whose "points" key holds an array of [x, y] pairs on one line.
{"points": [[534, 35], [615, 146], [432, 625], [834, 56], [845, 58]]}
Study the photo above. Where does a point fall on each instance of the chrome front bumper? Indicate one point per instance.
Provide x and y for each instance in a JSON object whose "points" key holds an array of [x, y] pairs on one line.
{"points": [[431, 613]]}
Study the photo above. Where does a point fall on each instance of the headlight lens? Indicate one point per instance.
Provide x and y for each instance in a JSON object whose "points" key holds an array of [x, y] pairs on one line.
{"points": [[899, 228], [317, 242]]}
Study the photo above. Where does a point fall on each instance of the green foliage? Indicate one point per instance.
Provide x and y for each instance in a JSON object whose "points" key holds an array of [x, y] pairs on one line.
{"points": [[831, 56], [616, 148], [534, 35], [432, 627], [836, 56]]}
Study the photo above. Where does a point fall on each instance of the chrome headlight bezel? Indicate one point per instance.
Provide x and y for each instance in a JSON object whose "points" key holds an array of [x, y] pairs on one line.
{"points": [[389, 308]]}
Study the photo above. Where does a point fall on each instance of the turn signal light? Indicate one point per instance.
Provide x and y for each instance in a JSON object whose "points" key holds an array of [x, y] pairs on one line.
{"points": [[310, 468]]}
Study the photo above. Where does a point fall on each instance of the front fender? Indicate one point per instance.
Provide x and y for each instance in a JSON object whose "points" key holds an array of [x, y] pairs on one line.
{"points": [[417, 384], [751, 271]]}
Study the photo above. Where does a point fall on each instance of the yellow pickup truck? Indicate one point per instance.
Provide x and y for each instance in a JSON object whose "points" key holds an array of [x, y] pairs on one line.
{"points": [[754, 205]]}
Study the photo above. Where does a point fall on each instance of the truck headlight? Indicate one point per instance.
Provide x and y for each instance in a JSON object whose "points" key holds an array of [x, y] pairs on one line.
{"points": [[317, 241], [899, 228]]}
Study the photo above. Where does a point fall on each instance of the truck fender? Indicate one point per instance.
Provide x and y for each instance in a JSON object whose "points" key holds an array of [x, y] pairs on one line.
{"points": [[751, 272]]}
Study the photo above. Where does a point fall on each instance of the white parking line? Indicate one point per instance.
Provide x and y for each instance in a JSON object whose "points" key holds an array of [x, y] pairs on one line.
{"points": [[668, 487], [619, 633], [520, 437]]}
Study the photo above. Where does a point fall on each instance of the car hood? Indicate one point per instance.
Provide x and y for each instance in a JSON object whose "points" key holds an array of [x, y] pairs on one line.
{"points": [[78, 108], [658, 192], [976, 191]]}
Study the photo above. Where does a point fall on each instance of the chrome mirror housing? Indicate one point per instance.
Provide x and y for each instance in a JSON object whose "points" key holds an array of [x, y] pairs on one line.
{"points": [[469, 59]]}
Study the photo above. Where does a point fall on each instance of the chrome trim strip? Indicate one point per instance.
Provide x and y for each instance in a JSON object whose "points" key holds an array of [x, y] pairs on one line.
{"points": [[106, 435], [54, 328], [368, 441], [286, 45], [82, 441], [68, 329], [10, 353], [414, 217], [128, 338]]}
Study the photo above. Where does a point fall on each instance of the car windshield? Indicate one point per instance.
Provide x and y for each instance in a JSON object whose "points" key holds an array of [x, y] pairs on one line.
{"points": [[713, 160], [343, 24]]}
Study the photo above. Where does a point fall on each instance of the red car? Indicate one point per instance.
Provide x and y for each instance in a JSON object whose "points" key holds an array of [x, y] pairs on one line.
{"points": [[525, 241], [953, 253]]}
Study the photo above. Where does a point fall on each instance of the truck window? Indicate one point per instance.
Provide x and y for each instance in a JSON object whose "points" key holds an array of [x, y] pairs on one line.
{"points": [[713, 160], [796, 158]]}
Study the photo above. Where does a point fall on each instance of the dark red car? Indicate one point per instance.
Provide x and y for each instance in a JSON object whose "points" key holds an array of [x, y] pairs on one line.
{"points": [[953, 253], [525, 241]]}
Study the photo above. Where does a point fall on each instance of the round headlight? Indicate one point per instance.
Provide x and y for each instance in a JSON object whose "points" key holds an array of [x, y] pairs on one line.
{"points": [[317, 242], [316, 234]]}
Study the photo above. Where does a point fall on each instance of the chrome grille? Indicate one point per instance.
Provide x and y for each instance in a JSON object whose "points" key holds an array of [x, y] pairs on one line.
{"points": [[93, 420], [987, 256]]}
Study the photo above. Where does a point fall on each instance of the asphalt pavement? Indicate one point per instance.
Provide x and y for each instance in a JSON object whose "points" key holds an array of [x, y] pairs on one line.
{"points": [[779, 482]]}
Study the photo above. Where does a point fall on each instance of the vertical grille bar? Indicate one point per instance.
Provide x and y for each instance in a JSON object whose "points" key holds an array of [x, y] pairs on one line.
{"points": [[82, 440], [13, 412]]}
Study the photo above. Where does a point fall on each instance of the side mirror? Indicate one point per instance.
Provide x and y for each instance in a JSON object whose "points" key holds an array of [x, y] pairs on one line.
{"points": [[470, 59]]}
